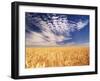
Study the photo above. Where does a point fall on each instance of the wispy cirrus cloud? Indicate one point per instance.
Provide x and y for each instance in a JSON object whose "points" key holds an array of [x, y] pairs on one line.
{"points": [[81, 24], [53, 29]]}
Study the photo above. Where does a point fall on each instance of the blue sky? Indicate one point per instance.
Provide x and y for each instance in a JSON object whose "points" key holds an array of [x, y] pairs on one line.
{"points": [[50, 29]]}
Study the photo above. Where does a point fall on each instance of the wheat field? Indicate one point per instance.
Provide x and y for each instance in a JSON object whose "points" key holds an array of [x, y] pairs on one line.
{"points": [[39, 57]]}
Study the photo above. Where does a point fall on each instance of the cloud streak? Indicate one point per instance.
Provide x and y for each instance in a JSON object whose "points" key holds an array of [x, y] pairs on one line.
{"points": [[53, 29]]}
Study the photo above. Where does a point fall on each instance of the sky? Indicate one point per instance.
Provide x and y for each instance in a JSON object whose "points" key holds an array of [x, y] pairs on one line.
{"points": [[51, 29]]}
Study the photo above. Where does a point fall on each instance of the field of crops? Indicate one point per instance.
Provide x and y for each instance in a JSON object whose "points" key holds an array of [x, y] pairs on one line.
{"points": [[38, 57]]}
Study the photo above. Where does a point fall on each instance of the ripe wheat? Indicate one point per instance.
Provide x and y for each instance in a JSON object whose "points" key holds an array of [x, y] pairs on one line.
{"points": [[39, 57]]}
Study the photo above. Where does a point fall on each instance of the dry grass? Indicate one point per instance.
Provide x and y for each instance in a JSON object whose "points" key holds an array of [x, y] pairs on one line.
{"points": [[37, 57]]}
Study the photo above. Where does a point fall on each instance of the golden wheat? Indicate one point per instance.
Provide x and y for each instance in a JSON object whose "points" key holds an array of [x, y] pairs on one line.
{"points": [[37, 57]]}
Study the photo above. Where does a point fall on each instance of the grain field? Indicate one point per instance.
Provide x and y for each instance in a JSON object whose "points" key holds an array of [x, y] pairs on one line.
{"points": [[40, 57]]}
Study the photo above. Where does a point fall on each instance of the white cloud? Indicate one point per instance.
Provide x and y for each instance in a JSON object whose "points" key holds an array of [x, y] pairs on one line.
{"points": [[81, 24], [58, 25], [44, 39]]}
